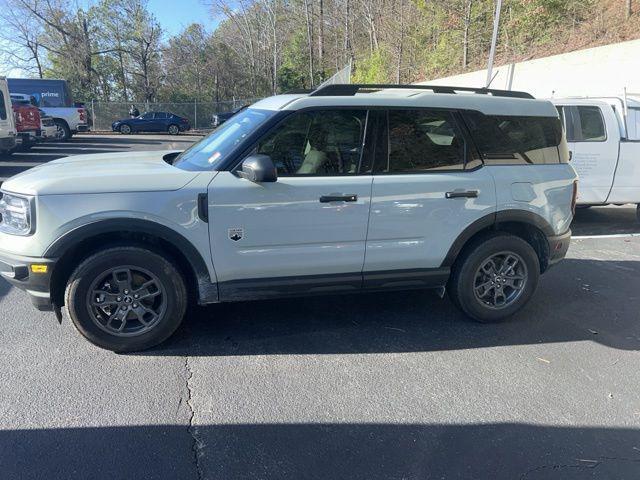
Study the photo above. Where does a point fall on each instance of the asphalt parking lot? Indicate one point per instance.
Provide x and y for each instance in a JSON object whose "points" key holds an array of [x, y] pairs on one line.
{"points": [[393, 386]]}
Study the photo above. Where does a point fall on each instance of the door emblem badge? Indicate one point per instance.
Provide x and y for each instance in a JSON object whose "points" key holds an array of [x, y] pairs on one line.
{"points": [[236, 234]]}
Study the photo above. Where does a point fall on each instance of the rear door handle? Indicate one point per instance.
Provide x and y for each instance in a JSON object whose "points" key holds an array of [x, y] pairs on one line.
{"points": [[462, 194], [339, 198]]}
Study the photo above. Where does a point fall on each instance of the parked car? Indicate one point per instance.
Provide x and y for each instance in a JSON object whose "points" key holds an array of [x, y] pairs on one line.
{"points": [[28, 124], [7, 121], [328, 192], [604, 137], [152, 122], [219, 118], [54, 98], [50, 131]]}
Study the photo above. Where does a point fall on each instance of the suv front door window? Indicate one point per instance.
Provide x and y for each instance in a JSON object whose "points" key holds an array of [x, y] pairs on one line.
{"points": [[320, 143]]}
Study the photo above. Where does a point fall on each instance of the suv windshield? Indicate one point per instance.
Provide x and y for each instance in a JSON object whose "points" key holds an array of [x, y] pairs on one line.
{"points": [[209, 152]]}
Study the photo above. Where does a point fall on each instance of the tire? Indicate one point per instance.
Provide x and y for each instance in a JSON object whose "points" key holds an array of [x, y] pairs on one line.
{"points": [[173, 130], [102, 279], [125, 129], [470, 284], [64, 133]]}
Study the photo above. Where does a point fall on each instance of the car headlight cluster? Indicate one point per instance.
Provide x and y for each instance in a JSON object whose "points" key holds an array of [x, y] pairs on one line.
{"points": [[16, 214]]}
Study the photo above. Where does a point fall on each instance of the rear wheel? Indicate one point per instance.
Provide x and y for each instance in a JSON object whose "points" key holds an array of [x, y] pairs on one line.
{"points": [[494, 277], [173, 130], [126, 299], [63, 131], [125, 129]]}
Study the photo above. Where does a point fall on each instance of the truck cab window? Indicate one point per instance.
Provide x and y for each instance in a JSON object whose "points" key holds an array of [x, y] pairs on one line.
{"points": [[591, 124]]}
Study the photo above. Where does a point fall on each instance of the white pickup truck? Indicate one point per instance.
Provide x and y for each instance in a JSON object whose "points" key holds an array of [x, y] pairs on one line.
{"points": [[603, 135]]}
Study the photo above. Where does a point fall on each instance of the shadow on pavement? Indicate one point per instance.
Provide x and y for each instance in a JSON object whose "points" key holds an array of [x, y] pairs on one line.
{"points": [[4, 287], [605, 220], [578, 300], [323, 451]]}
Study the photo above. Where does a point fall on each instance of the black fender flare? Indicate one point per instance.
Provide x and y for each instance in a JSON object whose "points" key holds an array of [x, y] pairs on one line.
{"points": [[207, 290], [493, 220]]}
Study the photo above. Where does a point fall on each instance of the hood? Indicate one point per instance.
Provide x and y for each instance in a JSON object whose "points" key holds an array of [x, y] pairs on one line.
{"points": [[101, 173]]}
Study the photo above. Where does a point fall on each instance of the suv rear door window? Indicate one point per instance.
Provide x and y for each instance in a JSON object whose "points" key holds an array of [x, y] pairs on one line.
{"points": [[320, 143], [421, 141], [508, 140]]}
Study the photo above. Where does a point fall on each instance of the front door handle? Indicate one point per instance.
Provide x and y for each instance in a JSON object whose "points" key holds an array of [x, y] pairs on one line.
{"points": [[351, 197], [462, 194]]}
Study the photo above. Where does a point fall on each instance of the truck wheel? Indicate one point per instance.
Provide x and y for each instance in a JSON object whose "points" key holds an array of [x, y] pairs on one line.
{"points": [[126, 299], [26, 146], [173, 130], [494, 277], [63, 131], [125, 129]]}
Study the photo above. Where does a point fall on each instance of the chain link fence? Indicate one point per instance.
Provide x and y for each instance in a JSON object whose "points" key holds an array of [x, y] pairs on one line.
{"points": [[103, 114]]}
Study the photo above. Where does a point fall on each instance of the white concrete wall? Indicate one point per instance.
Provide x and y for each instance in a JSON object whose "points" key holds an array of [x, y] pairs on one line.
{"points": [[591, 72]]}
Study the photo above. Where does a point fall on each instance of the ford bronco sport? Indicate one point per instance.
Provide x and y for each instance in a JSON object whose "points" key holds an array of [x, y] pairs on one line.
{"points": [[343, 189]]}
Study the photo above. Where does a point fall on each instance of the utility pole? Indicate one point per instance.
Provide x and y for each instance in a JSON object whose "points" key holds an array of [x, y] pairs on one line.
{"points": [[494, 40]]}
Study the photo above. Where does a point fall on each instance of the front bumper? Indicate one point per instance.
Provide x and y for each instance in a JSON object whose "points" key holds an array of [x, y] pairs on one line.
{"points": [[558, 246], [20, 272]]}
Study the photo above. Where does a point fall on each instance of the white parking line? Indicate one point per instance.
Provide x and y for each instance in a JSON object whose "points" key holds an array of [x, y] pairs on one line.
{"points": [[616, 235]]}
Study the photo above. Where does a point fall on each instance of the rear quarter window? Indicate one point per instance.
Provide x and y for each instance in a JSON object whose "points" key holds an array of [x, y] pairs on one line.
{"points": [[512, 140]]}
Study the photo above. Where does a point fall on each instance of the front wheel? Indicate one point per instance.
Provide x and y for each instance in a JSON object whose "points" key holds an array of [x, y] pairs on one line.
{"points": [[494, 277], [125, 129], [63, 132], [173, 130], [126, 299]]}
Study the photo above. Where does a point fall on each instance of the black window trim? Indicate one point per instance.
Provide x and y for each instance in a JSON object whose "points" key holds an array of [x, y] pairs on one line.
{"points": [[470, 152], [252, 143]]}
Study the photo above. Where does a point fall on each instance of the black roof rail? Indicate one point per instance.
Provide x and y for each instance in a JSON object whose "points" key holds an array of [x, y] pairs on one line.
{"points": [[350, 89], [298, 90]]}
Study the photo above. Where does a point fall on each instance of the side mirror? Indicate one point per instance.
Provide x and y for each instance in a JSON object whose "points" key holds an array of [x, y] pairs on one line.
{"points": [[258, 169]]}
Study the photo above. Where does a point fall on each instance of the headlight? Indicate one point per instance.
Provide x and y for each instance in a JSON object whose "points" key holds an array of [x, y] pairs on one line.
{"points": [[16, 216]]}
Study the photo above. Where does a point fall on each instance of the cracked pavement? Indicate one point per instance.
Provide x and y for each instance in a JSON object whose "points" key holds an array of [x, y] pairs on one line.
{"points": [[389, 386]]}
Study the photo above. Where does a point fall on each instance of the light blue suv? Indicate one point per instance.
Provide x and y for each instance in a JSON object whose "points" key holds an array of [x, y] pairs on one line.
{"points": [[343, 189]]}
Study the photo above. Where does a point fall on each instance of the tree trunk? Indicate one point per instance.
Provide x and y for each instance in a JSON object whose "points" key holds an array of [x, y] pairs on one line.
{"points": [[321, 40], [465, 41], [347, 34], [400, 43], [309, 21], [629, 9]]}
